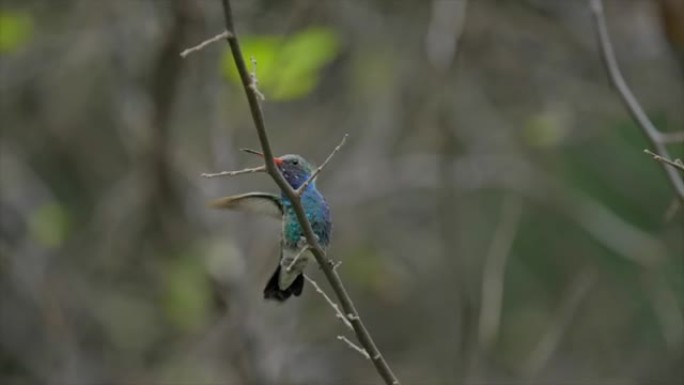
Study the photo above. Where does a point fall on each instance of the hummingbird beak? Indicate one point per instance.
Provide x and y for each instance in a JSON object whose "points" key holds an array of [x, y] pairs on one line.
{"points": [[277, 161]]}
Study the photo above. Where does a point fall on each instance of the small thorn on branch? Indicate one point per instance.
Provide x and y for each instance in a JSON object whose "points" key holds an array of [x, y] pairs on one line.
{"points": [[202, 45], [313, 176], [677, 163], [250, 151], [352, 345], [254, 81], [236, 172]]}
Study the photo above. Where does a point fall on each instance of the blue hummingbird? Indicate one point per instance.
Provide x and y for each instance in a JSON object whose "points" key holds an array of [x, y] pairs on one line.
{"points": [[288, 279]]}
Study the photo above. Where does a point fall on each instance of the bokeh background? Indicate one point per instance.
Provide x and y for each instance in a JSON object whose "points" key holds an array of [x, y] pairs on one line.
{"points": [[496, 217]]}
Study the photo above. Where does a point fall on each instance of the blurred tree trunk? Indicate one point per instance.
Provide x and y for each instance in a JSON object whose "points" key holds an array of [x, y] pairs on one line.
{"points": [[672, 16]]}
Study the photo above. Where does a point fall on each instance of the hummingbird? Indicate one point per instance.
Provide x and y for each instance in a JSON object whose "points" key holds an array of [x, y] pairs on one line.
{"points": [[287, 279]]}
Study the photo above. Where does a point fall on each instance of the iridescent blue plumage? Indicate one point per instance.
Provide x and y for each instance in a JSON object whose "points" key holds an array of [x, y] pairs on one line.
{"points": [[317, 212], [288, 279]]}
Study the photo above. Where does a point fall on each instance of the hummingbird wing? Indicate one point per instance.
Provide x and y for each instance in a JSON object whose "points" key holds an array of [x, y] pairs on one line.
{"points": [[255, 202]]}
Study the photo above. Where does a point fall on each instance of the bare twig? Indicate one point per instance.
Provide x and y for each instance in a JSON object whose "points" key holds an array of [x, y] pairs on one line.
{"points": [[352, 345], [294, 260], [203, 44], [336, 308], [313, 176], [236, 172], [674, 163], [628, 98], [250, 151], [346, 303], [672, 137]]}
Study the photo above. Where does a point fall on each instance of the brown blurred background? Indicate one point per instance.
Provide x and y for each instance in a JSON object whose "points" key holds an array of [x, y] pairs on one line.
{"points": [[497, 220]]}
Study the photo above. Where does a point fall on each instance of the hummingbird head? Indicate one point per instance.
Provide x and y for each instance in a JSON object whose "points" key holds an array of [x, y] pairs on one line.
{"points": [[295, 169]]}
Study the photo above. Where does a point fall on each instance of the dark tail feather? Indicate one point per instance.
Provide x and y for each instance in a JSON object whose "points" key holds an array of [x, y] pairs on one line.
{"points": [[273, 291]]}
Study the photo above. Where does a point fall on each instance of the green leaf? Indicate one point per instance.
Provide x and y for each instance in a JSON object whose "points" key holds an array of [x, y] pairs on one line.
{"points": [[304, 55], [15, 30], [286, 68]]}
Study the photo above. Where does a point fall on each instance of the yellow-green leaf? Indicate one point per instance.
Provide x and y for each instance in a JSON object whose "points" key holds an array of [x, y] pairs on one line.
{"points": [[287, 68], [15, 30], [263, 49]]}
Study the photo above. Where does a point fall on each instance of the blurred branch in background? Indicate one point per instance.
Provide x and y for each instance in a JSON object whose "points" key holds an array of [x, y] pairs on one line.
{"points": [[618, 81], [561, 322], [164, 201], [494, 272]]}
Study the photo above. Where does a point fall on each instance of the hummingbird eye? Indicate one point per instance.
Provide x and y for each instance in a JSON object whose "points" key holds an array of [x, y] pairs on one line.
{"points": [[295, 162]]}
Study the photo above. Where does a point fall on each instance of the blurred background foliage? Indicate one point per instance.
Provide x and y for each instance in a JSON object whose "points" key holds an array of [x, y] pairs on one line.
{"points": [[494, 212]]}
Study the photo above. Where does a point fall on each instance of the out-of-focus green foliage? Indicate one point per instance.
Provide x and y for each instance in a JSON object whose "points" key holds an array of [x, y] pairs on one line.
{"points": [[187, 292], [50, 224], [545, 130], [16, 28], [286, 67]]}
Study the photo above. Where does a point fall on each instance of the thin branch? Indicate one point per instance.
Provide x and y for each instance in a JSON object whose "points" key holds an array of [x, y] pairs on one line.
{"points": [[672, 137], [346, 303], [313, 176], [674, 163], [296, 258], [336, 308], [628, 98], [203, 44], [236, 172], [352, 345]]}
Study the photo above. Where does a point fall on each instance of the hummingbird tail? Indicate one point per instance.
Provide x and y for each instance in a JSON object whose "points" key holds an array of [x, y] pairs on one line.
{"points": [[273, 290]]}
